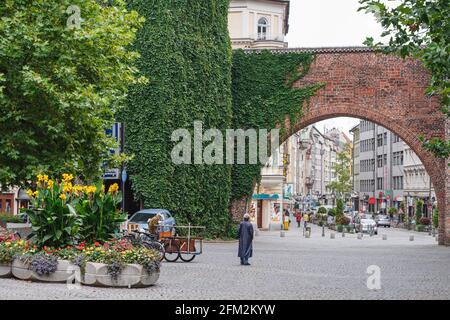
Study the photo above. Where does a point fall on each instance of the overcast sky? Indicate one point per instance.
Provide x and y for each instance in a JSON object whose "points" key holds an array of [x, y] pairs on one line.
{"points": [[336, 23]]}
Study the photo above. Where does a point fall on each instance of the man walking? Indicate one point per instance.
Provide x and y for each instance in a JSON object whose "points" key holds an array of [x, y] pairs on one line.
{"points": [[245, 233]]}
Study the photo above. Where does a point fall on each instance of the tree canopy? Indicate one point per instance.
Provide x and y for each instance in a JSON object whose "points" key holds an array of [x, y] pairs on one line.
{"points": [[419, 29], [342, 168], [64, 73]]}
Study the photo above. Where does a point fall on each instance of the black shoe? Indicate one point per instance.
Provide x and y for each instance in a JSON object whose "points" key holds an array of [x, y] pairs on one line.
{"points": [[247, 264]]}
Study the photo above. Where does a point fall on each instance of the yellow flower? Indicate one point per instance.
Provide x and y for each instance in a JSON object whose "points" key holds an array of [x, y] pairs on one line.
{"points": [[77, 188], [67, 186], [90, 189], [42, 177], [30, 193], [36, 194], [7, 243], [62, 196], [103, 188], [113, 188], [50, 184], [67, 177]]}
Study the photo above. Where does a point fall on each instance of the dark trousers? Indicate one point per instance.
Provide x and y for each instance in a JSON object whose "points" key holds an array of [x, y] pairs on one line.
{"points": [[298, 223]]}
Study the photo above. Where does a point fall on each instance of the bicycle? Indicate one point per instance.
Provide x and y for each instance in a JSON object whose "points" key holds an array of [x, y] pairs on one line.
{"points": [[145, 239], [168, 248]]}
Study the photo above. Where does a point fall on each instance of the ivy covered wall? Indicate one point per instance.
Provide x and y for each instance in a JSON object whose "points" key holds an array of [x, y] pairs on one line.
{"points": [[263, 95], [186, 55]]}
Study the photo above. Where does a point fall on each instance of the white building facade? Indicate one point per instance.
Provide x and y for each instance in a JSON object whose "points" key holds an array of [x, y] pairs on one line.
{"points": [[258, 23]]}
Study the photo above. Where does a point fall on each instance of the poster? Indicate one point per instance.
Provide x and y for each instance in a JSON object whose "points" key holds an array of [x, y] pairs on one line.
{"points": [[252, 211], [275, 214]]}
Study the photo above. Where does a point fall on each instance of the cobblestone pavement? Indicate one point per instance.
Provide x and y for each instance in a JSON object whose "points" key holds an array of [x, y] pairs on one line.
{"points": [[290, 267]]}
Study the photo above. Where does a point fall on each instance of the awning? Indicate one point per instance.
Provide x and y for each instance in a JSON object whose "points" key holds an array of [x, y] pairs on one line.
{"points": [[399, 198], [265, 196]]}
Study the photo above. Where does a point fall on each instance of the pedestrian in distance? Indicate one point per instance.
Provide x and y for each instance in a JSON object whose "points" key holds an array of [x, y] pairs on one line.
{"points": [[298, 218], [245, 233]]}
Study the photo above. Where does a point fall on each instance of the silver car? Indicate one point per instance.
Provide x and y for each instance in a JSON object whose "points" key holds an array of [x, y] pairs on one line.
{"points": [[366, 224], [383, 221]]}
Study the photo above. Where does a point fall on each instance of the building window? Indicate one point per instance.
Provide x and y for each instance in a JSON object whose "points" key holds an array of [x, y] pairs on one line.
{"points": [[395, 138], [398, 183], [397, 158], [263, 28], [379, 140], [379, 183], [379, 161]]}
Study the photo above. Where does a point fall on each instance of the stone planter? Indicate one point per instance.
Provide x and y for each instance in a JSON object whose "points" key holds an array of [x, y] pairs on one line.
{"points": [[64, 271], [5, 271], [132, 276]]}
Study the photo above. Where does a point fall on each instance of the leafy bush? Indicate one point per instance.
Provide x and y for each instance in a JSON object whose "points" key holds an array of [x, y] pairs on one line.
{"points": [[322, 210], [63, 214], [339, 207], [99, 214], [9, 218], [392, 211], [53, 219], [420, 228], [435, 218], [44, 264], [343, 220], [339, 228], [332, 212], [419, 209], [425, 221]]}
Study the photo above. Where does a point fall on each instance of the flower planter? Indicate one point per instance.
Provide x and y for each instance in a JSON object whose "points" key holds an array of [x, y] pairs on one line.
{"points": [[5, 270], [64, 271], [132, 276]]}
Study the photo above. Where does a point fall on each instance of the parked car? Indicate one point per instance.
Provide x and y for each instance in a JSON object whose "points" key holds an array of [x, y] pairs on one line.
{"points": [[383, 221], [141, 218], [366, 223]]}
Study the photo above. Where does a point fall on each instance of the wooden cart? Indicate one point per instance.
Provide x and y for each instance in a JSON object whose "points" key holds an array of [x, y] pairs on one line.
{"points": [[184, 247]]}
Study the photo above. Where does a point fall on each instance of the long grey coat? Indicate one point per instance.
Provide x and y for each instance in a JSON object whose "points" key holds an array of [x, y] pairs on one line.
{"points": [[245, 233]]}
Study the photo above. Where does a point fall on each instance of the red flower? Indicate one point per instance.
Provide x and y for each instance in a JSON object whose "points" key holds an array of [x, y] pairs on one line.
{"points": [[96, 244]]}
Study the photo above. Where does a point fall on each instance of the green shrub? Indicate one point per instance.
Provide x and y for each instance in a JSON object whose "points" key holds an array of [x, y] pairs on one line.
{"points": [[420, 227], [435, 218], [322, 210], [425, 221], [339, 228], [339, 207], [419, 210], [332, 212], [343, 220], [392, 211], [9, 218]]}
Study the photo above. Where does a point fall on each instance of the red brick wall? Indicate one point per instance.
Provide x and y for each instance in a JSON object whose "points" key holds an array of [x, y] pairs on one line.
{"points": [[390, 92]]}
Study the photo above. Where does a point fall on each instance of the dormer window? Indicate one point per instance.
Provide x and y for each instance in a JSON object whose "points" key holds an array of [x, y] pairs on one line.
{"points": [[263, 28]]}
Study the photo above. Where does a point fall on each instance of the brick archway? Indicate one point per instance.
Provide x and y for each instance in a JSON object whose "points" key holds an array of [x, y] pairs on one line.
{"points": [[386, 90]]}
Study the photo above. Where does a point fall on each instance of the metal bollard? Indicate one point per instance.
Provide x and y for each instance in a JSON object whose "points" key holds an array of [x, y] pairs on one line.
{"points": [[332, 235], [384, 236], [343, 234], [360, 235], [323, 230], [282, 234], [411, 238], [307, 233]]}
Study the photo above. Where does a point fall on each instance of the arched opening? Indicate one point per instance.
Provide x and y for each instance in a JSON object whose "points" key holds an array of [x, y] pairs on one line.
{"points": [[383, 166]]}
